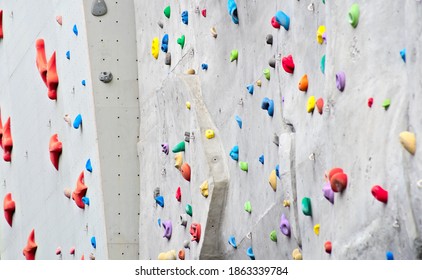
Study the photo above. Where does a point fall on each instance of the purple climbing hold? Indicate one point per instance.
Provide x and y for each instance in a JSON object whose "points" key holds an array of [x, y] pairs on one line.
{"points": [[340, 80], [168, 228], [165, 148], [284, 225], [328, 192]]}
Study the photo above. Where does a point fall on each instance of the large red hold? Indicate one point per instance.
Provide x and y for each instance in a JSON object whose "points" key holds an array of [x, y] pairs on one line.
{"points": [[80, 191], [31, 247], [9, 208], [288, 64]]}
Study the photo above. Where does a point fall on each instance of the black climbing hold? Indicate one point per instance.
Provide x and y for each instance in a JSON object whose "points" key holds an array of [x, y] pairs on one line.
{"points": [[269, 39], [98, 8], [105, 77], [271, 62]]}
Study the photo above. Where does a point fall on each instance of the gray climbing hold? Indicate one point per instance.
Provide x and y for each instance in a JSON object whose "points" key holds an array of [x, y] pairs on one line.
{"points": [[98, 8], [276, 139], [269, 39], [156, 192], [105, 77], [160, 24], [167, 61], [271, 62], [186, 244]]}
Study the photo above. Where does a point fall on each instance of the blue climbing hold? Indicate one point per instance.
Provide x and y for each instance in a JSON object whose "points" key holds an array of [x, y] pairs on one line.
{"points": [[204, 66], [389, 256], [77, 122], [85, 200], [93, 242], [164, 43], [234, 153], [75, 30], [159, 222], [239, 121], [160, 200], [185, 17], [261, 159], [403, 54], [232, 7], [282, 19], [83, 82], [268, 104], [250, 253], [88, 165], [232, 241], [250, 88], [277, 170], [68, 54]]}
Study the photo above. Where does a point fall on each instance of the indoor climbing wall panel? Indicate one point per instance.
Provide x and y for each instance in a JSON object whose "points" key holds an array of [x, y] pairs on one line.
{"points": [[291, 90]]}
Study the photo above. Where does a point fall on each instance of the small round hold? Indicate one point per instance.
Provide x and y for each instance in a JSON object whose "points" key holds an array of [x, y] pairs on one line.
{"points": [[269, 39], [105, 77], [190, 71], [67, 192]]}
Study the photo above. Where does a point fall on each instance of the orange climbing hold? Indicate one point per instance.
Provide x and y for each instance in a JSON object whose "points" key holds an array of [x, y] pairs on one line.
{"points": [[320, 105], [80, 191], [1, 24], [55, 150], [182, 254], [41, 60], [338, 179], [303, 84], [31, 247], [52, 77], [9, 208], [185, 170], [7, 141]]}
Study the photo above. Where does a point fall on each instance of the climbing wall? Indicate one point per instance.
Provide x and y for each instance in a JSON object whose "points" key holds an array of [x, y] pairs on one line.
{"points": [[268, 98]]}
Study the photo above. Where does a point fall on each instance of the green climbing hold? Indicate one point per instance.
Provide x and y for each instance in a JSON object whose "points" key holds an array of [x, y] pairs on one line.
{"points": [[248, 207], [243, 165], [306, 206], [322, 66], [273, 236], [233, 55], [267, 73], [181, 41], [386, 103], [167, 12], [354, 15], [179, 147], [188, 209], [323, 1]]}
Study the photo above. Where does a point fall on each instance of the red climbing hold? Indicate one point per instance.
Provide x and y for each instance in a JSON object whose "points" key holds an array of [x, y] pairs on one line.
{"points": [[7, 141], [9, 208], [379, 193], [204, 12], [320, 105], [338, 180], [31, 247], [274, 23], [370, 102], [288, 64], [55, 150], [1, 133], [1, 24], [179, 194], [328, 247], [52, 77], [41, 60], [185, 170], [80, 191], [195, 231]]}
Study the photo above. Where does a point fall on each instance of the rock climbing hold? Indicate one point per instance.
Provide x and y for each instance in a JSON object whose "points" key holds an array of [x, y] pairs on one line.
{"points": [[403, 54], [179, 147], [75, 30], [273, 180], [268, 104], [354, 15], [9, 208], [77, 122], [204, 66], [80, 191], [209, 134], [306, 206], [284, 225], [178, 194], [341, 80], [328, 192], [250, 253], [310, 106], [159, 222], [288, 64], [185, 170], [167, 11], [266, 73], [277, 171], [178, 160], [259, 83], [52, 77], [72, 251], [160, 24], [320, 105], [88, 165], [83, 82], [250, 88], [186, 244], [273, 236], [232, 241], [195, 231], [234, 55], [155, 47], [185, 17], [320, 34], [407, 139], [386, 104], [274, 23], [338, 179], [98, 8], [188, 209], [105, 77], [41, 60], [165, 148], [243, 165], [159, 200], [204, 12], [389, 256], [181, 41], [68, 54], [238, 120], [282, 19], [316, 229], [328, 247], [181, 254], [59, 20], [168, 229], [67, 192], [296, 254], [167, 59], [303, 83], [31, 247], [55, 148], [85, 200], [248, 207], [261, 159], [322, 64], [213, 32], [271, 62], [269, 39], [232, 7], [190, 71], [93, 242], [183, 219], [204, 189], [286, 203], [379, 193], [188, 105], [370, 102], [234, 153]]}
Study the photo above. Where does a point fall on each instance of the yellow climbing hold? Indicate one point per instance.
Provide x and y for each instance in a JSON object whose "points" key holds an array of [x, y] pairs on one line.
{"points": [[408, 140], [259, 83], [188, 105], [316, 229], [178, 160], [170, 255], [273, 180], [209, 133], [204, 188], [320, 34], [297, 255], [311, 104], [286, 203], [155, 48]]}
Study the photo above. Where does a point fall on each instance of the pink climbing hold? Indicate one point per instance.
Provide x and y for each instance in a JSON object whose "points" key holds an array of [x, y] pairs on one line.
{"points": [[274, 23], [288, 64], [370, 102], [204, 12], [379, 193], [179, 194]]}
